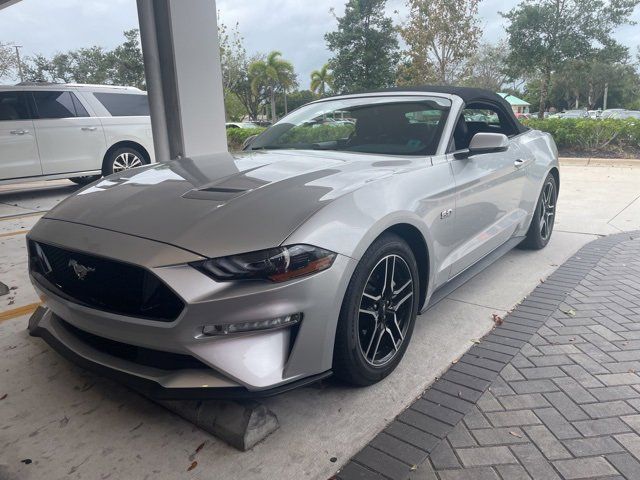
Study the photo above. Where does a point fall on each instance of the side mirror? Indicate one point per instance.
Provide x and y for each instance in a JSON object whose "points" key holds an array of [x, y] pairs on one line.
{"points": [[484, 143], [488, 143]]}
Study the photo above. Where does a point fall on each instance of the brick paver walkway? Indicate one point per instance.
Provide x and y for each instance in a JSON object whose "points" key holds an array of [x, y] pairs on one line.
{"points": [[554, 392]]}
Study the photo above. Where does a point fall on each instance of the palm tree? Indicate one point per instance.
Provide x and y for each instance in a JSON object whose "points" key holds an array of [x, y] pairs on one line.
{"points": [[272, 74], [321, 79]]}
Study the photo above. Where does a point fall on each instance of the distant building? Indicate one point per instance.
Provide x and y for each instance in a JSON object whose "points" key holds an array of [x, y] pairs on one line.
{"points": [[517, 104]]}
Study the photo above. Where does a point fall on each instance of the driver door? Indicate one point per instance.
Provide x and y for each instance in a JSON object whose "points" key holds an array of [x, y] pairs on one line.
{"points": [[489, 190]]}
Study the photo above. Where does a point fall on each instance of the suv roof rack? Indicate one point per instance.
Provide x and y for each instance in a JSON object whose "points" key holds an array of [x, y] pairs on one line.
{"points": [[76, 85], [36, 83], [95, 85]]}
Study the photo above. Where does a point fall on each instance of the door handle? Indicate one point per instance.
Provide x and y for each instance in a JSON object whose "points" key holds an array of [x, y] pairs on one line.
{"points": [[19, 132], [89, 129], [520, 162]]}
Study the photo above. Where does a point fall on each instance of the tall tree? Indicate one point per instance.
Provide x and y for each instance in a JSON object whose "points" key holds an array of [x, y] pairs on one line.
{"points": [[488, 68], [120, 66], [544, 34], [253, 100], [7, 61], [441, 35], [365, 47], [127, 64], [272, 75], [321, 80]]}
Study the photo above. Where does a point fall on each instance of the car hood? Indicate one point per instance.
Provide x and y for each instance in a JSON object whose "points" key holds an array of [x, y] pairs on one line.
{"points": [[224, 204]]}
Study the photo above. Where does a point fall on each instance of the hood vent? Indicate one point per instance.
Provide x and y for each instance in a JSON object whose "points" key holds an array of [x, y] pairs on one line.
{"points": [[218, 194]]}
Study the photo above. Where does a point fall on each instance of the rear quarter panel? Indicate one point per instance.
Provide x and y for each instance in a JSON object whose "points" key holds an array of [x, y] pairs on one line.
{"points": [[133, 129], [119, 129], [540, 147]]}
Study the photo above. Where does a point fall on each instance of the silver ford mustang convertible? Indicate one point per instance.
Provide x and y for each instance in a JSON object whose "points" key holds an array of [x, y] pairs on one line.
{"points": [[309, 253]]}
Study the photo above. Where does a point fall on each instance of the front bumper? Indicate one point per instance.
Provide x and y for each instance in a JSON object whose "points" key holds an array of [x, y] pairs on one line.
{"points": [[235, 366], [151, 382]]}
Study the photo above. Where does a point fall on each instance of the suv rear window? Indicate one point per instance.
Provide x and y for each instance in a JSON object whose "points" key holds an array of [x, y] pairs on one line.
{"points": [[56, 104], [124, 104], [13, 106]]}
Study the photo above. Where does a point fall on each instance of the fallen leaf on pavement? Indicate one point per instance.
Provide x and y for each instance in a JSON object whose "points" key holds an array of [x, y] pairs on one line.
{"points": [[201, 446], [4, 396], [515, 434], [193, 465], [497, 319]]}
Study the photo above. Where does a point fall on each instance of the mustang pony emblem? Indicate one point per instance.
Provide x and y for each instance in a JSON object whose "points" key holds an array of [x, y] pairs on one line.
{"points": [[80, 270]]}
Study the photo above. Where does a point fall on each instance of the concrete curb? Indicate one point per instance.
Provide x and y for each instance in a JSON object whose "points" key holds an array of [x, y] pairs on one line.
{"points": [[240, 424], [599, 162]]}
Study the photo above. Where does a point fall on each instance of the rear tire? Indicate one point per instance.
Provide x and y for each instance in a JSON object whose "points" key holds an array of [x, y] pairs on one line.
{"points": [[85, 180], [544, 216], [378, 313], [121, 159]]}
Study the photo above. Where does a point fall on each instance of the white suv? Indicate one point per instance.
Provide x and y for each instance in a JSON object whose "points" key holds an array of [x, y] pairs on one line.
{"points": [[80, 132]]}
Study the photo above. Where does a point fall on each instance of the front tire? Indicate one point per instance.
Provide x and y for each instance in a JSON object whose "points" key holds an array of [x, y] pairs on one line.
{"points": [[544, 216], [85, 180], [121, 159], [378, 313]]}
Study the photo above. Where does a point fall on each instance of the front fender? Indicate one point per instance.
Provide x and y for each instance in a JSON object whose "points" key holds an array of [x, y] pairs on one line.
{"points": [[350, 224]]}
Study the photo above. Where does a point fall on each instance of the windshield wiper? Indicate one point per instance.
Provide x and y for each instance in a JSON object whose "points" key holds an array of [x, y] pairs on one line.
{"points": [[268, 147]]}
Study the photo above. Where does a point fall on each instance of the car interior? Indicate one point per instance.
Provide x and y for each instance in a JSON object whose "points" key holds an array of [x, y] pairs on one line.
{"points": [[406, 128], [480, 118]]}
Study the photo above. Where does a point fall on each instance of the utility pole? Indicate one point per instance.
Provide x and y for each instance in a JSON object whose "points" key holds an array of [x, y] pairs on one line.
{"points": [[606, 94], [18, 47]]}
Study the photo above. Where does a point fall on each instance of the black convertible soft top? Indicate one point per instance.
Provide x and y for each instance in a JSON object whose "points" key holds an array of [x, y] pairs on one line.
{"points": [[469, 95]]}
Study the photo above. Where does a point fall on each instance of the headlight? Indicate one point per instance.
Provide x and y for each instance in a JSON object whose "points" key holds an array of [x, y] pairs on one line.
{"points": [[276, 264]]}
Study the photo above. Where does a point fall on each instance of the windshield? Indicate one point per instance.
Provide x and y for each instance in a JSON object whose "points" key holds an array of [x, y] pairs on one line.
{"points": [[382, 125]]}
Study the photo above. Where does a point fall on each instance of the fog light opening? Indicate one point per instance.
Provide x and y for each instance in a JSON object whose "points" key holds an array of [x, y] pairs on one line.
{"points": [[242, 327]]}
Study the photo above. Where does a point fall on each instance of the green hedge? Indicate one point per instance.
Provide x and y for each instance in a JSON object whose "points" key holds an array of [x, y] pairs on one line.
{"points": [[237, 136], [315, 134], [591, 135], [608, 136]]}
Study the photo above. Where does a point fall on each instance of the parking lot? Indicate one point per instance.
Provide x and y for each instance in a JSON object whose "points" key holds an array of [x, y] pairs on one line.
{"points": [[58, 421]]}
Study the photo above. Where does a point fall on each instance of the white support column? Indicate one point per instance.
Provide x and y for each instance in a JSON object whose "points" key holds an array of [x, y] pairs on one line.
{"points": [[184, 77]]}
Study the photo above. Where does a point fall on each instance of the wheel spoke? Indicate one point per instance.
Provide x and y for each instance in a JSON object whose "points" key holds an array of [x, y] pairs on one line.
{"points": [[375, 351], [397, 292], [395, 321], [392, 282], [386, 274], [374, 314], [371, 297], [393, 340], [404, 299], [373, 336]]}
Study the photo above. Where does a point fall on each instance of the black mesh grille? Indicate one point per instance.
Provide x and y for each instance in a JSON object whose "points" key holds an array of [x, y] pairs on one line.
{"points": [[139, 355], [103, 283]]}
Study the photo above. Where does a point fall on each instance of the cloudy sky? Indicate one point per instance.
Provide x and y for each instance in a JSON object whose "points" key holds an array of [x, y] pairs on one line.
{"points": [[295, 27]]}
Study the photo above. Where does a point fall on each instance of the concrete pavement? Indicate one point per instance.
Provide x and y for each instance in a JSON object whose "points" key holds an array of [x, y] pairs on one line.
{"points": [[551, 393], [72, 424]]}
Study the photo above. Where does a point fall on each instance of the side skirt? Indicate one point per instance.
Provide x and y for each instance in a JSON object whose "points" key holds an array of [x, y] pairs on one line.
{"points": [[466, 275]]}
